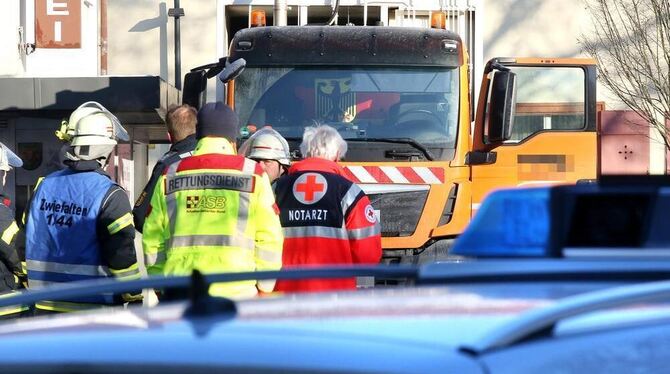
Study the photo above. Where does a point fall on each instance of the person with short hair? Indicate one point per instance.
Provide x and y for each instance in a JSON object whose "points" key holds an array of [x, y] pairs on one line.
{"points": [[214, 212], [326, 218], [180, 121]]}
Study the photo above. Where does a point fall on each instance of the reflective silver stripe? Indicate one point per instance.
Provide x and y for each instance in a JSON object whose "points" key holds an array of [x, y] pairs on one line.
{"points": [[151, 259], [242, 213], [365, 232], [315, 231], [186, 154], [36, 283], [268, 255], [55, 267], [349, 197], [171, 199], [172, 169], [243, 209], [211, 240], [249, 166]]}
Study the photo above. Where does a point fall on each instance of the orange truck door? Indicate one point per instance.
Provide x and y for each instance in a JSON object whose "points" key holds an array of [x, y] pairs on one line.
{"points": [[553, 138]]}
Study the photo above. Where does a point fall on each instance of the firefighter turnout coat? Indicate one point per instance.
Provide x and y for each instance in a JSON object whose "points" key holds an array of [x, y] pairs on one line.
{"points": [[10, 264], [215, 212], [327, 220], [79, 227]]}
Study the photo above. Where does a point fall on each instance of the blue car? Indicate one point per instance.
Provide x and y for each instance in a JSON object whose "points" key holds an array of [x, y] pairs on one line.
{"points": [[568, 300]]}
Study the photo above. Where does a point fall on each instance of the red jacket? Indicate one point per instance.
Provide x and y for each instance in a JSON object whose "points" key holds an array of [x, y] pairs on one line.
{"points": [[327, 220]]}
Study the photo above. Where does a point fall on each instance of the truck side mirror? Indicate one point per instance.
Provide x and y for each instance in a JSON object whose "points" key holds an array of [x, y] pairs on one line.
{"points": [[195, 89], [500, 111], [232, 70]]}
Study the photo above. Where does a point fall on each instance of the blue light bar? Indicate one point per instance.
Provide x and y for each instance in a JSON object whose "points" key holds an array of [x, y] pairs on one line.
{"points": [[509, 223]]}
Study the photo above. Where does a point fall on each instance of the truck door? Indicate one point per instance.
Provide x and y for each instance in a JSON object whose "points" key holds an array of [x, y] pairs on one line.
{"points": [[553, 138]]}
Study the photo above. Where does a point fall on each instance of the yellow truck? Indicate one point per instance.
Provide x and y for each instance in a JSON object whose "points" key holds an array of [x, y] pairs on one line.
{"points": [[400, 97]]}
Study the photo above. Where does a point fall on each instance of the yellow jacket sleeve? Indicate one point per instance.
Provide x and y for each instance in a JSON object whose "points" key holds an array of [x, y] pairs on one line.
{"points": [[269, 238], [156, 231]]}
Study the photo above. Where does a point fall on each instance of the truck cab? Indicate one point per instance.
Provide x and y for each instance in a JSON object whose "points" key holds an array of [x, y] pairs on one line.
{"points": [[400, 97]]}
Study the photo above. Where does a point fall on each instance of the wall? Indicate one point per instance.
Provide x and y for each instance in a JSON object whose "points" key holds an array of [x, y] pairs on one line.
{"points": [[533, 28], [141, 38], [547, 28], [10, 60], [137, 38]]}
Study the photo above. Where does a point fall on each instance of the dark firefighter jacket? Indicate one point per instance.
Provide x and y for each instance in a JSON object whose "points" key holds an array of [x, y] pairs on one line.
{"points": [[178, 151]]}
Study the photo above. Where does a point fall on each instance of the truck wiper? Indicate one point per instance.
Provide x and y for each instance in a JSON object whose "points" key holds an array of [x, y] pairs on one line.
{"points": [[409, 141]]}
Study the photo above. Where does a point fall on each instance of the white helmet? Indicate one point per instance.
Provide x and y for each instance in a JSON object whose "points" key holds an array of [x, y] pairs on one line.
{"points": [[9, 159], [267, 144], [67, 128], [95, 135]]}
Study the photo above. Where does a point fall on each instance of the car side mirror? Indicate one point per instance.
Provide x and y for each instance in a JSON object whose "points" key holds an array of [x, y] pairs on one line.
{"points": [[500, 111], [194, 92]]}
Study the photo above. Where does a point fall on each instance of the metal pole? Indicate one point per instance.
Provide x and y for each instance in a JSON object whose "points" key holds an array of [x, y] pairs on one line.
{"points": [[177, 12], [365, 13], [280, 13]]}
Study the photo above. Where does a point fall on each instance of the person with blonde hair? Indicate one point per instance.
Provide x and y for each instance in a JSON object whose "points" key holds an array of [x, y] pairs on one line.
{"points": [[180, 121], [326, 218]]}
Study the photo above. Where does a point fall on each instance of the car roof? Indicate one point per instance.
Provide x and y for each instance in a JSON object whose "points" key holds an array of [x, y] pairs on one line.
{"points": [[413, 327], [401, 329], [411, 310]]}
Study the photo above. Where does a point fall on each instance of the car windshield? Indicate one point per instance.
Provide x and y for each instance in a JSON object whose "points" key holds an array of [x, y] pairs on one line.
{"points": [[418, 105]]}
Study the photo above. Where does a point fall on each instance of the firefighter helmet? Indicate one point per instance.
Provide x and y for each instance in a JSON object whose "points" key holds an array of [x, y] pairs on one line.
{"points": [[96, 134], [67, 128], [267, 144], [9, 159]]}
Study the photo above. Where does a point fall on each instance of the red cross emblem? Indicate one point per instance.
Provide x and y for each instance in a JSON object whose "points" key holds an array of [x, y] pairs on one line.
{"points": [[370, 214], [310, 188]]}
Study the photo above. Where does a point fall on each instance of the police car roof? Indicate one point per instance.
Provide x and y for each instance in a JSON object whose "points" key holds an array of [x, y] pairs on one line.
{"points": [[618, 216]]}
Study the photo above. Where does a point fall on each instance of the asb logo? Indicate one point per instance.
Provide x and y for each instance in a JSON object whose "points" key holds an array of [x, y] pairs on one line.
{"points": [[206, 203], [192, 202], [310, 188]]}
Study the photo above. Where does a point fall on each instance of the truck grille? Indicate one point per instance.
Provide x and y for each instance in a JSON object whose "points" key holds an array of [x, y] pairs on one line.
{"points": [[399, 211]]}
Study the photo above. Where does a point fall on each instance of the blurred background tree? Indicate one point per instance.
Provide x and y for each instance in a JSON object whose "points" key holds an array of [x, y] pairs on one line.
{"points": [[631, 42]]}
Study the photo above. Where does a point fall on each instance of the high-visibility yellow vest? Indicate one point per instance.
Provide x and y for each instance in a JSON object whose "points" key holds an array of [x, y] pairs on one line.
{"points": [[215, 212]]}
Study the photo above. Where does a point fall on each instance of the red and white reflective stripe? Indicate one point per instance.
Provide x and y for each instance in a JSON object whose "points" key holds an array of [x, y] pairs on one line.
{"points": [[395, 174]]}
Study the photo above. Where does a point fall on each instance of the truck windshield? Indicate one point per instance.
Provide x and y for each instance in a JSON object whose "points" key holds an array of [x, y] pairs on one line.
{"points": [[366, 105]]}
